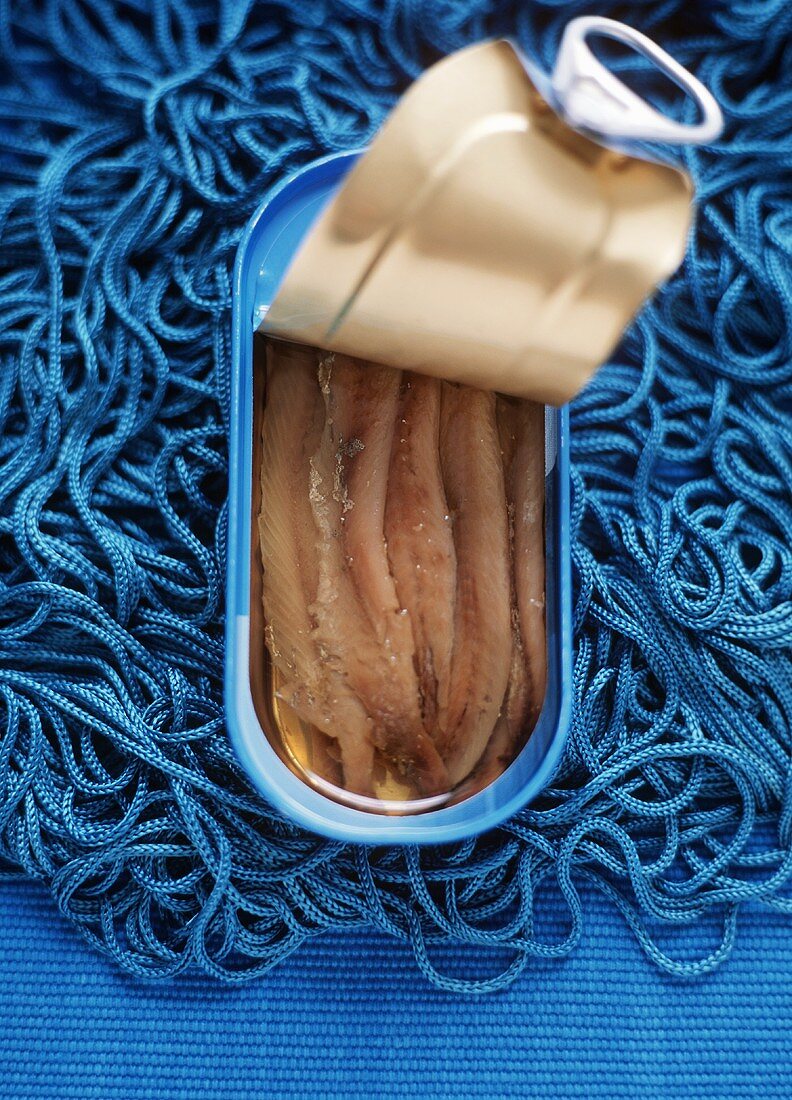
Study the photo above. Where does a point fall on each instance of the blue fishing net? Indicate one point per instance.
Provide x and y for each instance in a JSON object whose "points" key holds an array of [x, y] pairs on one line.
{"points": [[136, 139]]}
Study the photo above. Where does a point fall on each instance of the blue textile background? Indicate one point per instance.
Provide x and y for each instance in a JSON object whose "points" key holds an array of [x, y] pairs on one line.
{"points": [[136, 139], [345, 1018]]}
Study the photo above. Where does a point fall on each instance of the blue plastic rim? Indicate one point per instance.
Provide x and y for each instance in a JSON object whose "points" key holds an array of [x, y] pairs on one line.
{"points": [[265, 252]]}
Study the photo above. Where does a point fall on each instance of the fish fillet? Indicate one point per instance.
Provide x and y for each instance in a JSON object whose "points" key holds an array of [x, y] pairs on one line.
{"points": [[481, 659], [521, 431], [420, 540], [514, 723], [522, 438], [402, 537], [292, 427], [361, 629]]}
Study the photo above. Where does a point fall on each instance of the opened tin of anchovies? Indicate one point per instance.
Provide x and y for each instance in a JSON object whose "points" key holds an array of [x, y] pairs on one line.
{"points": [[409, 321]]}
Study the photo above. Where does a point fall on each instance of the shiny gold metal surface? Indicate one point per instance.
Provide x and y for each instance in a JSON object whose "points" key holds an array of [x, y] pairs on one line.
{"points": [[482, 240]]}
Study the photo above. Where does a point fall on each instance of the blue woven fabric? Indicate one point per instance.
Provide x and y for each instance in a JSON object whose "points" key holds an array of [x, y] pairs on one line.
{"points": [[345, 1017], [135, 140]]}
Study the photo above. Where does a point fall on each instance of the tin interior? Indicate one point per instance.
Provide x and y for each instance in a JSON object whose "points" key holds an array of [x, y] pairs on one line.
{"points": [[302, 747]]}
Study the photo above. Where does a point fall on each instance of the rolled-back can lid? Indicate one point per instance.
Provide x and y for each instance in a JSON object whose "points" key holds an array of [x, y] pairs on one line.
{"points": [[484, 239]]}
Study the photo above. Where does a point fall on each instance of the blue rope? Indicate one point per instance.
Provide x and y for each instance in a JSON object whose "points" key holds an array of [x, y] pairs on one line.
{"points": [[136, 138]]}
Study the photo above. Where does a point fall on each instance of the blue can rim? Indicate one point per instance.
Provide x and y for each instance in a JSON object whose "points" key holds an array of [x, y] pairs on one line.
{"points": [[297, 198]]}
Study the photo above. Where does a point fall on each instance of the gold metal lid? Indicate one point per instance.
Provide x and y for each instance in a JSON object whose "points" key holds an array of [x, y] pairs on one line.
{"points": [[483, 239]]}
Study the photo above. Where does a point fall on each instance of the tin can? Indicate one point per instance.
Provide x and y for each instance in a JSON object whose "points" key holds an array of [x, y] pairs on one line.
{"points": [[267, 248], [483, 255]]}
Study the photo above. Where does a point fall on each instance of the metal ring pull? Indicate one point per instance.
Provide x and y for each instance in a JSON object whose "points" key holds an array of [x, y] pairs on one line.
{"points": [[592, 98]]}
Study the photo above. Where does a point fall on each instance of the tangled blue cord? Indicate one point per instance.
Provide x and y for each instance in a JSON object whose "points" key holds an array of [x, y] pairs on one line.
{"points": [[136, 138]]}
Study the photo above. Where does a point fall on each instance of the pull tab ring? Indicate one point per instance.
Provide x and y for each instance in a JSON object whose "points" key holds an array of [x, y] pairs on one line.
{"points": [[592, 98]]}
